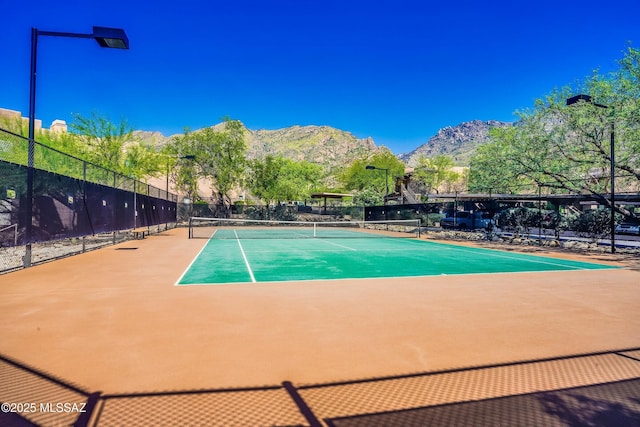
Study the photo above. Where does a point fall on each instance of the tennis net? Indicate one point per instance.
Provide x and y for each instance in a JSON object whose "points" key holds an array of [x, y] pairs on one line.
{"points": [[229, 228]]}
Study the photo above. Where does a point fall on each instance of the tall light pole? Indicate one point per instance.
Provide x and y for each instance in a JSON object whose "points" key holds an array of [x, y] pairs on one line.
{"points": [[106, 37], [386, 179], [587, 98]]}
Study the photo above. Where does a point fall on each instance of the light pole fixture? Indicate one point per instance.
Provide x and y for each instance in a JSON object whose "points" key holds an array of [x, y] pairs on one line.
{"points": [[586, 98], [106, 37], [386, 179]]}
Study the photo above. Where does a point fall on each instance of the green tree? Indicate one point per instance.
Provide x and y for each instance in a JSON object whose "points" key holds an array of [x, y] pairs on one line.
{"points": [[263, 177], [298, 179], [141, 160], [15, 124], [104, 141], [368, 197], [567, 148], [44, 158], [436, 173], [68, 143], [276, 179], [490, 167], [358, 178], [219, 156], [178, 157], [115, 147]]}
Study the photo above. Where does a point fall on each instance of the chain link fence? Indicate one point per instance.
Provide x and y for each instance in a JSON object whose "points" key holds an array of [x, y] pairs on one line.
{"points": [[545, 212], [539, 213], [76, 205], [53, 204]]}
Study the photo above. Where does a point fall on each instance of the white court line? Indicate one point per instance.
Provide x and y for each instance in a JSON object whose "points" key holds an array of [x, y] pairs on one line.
{"points": [[541, 259], [382, 278], [532, 258], [193, 260], [244, 256], [527, 258], [337, 244]]}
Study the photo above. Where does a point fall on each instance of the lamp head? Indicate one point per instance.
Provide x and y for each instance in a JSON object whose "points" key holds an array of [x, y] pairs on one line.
{"points": [[111, 37], [577, 98]]}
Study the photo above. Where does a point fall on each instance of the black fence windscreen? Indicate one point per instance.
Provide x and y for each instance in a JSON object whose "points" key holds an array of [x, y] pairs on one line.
{"points": [[70, 198]]}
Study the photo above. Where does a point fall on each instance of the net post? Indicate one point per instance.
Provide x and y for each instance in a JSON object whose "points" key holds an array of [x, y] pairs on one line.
{"points": [[419, 227], [190, 229]]}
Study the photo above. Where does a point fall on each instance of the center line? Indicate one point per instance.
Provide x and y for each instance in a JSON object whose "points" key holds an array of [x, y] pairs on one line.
{"points": [[246, 261]]}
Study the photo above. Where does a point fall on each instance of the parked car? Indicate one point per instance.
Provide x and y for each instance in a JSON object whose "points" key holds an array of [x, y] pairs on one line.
{"points": [[466, 220], [628, 228]]}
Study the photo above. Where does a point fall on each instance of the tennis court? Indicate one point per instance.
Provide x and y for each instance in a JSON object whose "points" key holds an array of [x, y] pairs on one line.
{"points": [[241, 252], [110, 327]]}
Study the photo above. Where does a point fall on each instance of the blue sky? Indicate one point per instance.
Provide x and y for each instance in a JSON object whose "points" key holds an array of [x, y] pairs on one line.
{"points": [[395, 70]]}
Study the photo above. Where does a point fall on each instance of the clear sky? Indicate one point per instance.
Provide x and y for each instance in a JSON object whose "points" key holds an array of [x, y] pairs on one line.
{"points": [[395, 70]]}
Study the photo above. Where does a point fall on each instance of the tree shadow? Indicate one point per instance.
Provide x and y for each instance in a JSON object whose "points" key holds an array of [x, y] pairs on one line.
{"points": [[615, 404]]}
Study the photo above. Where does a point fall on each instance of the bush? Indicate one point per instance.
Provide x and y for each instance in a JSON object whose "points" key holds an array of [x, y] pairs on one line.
{"points": [[593, 224], [277, 213], [557, 222], [519, 220], [430, 219]]}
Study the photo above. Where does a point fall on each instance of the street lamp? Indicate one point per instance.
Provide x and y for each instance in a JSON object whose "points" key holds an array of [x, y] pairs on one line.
{"points": [[386, 179], [106, 37], [587, 98]]}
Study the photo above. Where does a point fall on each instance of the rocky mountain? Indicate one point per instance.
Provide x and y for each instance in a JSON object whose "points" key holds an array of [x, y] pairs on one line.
{"points": [[459, 142], [317, 144], [322, 145], [154, 138], [333, 147]]}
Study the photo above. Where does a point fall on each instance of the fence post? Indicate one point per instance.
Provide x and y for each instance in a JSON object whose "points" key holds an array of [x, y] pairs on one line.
{"points": [[539, 215], [115, 206], [84, 198], [455, 211], [85, 417], [135, 204], [28, 211], [301, 404]]}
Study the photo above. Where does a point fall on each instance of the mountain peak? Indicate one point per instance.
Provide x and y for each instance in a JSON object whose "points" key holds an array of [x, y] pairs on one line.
{"points": [[317, 144], [458, 141]]}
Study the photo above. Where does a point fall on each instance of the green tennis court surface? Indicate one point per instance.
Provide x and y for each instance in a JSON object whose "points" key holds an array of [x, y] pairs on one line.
{"points": [[232, 259]]}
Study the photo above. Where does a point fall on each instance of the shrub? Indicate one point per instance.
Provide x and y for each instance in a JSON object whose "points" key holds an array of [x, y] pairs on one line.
{"points": [[593, 223]]}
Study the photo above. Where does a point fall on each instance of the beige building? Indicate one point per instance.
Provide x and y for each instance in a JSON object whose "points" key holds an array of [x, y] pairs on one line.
{"points": [[12, 118], [58, 126]]}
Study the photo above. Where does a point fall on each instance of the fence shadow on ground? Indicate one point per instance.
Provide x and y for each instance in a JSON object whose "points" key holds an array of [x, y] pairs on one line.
{"points": [[32, 397], [600, 389], [613, 404]]}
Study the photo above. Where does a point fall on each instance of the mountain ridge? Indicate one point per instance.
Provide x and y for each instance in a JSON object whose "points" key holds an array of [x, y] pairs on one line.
{"points": [[332, 147], [458, 142]]}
